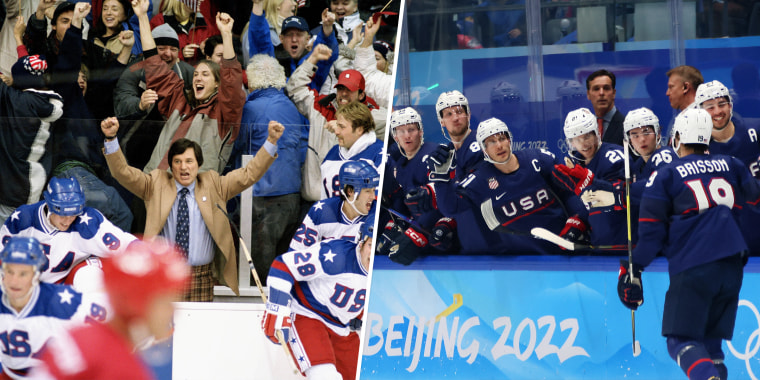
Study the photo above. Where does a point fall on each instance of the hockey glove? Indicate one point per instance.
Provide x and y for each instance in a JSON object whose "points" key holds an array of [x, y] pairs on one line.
{"points": [[398, 246], [420, 200], [276, 317], [440, 163], [443, 234], [605, 194], [575, 230], [629, 287], [574, 179]]}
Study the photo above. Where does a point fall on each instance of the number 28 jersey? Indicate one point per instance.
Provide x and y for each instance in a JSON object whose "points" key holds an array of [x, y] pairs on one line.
{"points": [[326, 282]]}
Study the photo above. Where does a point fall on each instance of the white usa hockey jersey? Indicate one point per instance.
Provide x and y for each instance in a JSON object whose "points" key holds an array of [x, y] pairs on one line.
{"points": [[90, 234], [326, 282], [366, 148], [324, 221], [51, 309]]}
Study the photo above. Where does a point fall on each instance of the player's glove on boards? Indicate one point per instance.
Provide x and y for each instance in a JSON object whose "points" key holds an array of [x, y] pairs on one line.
{"points": [[443, 234], [629, 286], [276, 317], [574, 230]]}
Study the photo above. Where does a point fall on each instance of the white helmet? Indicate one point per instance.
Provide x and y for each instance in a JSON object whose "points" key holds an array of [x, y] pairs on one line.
{"points": [[640, 117], [714, 90], [578, 123], [406, 116], [570, 89], [693, 126], [505, 92], [489, 128], [446, 100]]}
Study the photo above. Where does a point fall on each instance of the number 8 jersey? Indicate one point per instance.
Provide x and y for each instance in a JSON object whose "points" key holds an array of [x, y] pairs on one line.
{"points": [[690, 202], [326, 282], [90, 234]]}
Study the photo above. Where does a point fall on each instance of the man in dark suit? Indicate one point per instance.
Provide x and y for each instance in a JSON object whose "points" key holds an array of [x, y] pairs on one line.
{"points": [[600, 90], [205, 237]]}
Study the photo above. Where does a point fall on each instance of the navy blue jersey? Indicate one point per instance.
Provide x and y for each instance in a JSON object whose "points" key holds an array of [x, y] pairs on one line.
{"points": [[468, 156], [608, 224], [688, 211], [411, 174], [640, 172], [744, 146], [517, 202]]}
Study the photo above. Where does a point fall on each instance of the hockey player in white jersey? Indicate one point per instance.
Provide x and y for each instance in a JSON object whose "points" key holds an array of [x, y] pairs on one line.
{"points": [[30, 311], [340, 217], [72, 236], [315, 298]]}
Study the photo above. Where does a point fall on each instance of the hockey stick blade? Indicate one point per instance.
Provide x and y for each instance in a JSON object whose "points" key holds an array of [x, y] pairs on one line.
{"points": [[543, 233]]}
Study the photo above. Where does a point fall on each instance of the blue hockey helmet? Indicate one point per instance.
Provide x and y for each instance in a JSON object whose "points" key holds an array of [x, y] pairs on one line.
{"points": [[24, 250], [358, 174], [64, 196], [367, 229]]}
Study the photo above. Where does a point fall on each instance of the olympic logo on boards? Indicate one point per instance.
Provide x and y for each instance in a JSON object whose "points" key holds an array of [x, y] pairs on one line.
{"points": [[749, 349]]}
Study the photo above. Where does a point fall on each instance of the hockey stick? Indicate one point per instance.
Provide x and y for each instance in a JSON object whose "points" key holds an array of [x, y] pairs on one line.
{"points": [[543, 233], [636, 345], [278, 333]]}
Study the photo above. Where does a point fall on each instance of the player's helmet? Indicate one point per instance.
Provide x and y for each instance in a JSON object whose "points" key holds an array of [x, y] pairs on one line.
{"points": [[367, 229], [446, 100], [489, 128], [578, 123], [693, 126], [24, 250], [505, 92], [64, 196], [358, 174], [570, 89], [714, 90], [405, 116], [143, 271], [640, 117]]}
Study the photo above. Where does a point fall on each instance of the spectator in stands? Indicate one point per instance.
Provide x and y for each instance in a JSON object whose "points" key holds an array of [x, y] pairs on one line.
{"points": [[116, 17], [135, 103], [292, 52], [24, 130], [105, 66], [600, 90], [320, 109], [375, 66], [348, 18], [95, 18], [503, 27], [277, 195], [76, 138], [190, 26], [276, 11], [182, 205], [355, 131], [211, 113]]}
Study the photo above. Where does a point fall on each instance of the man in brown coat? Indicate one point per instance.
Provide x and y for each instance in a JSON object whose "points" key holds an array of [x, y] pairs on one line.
{"points": [[208, 245]]}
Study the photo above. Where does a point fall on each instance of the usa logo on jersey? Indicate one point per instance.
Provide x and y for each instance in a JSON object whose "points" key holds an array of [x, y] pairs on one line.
{"points": [[493, 184]]}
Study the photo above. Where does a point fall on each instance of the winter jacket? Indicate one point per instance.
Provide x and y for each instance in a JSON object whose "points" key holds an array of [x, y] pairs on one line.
{"points": [[213, 124], [263, 105], [320, 109], [25, 161]]}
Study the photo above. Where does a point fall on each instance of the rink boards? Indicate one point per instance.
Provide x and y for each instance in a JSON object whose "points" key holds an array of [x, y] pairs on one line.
{"points": [[529, 318]]}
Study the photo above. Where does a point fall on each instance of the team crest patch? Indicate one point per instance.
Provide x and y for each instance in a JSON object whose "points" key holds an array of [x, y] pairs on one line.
{"points": [[493, 183]]}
